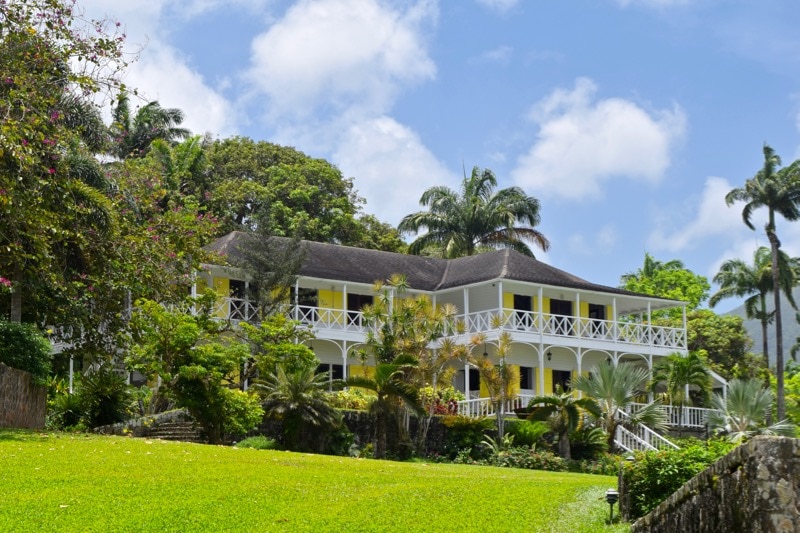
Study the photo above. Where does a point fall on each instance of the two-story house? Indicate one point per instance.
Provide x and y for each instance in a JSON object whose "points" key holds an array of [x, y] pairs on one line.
{"points": [[561, 324]]}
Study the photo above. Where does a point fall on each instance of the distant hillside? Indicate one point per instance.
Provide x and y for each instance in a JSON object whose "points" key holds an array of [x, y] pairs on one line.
{"points": [[791, 329]]}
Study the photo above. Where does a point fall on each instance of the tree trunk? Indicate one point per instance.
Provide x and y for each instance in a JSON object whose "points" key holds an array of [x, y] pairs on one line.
{"points": [[775, 244], [765, 348], [563, 446], [16, 295], [380, 436]]}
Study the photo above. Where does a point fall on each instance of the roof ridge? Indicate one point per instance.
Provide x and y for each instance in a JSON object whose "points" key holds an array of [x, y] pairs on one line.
{"points": [[446, 271], [506, 257]]}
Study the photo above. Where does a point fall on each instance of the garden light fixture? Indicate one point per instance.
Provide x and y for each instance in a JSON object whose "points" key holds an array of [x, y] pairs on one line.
{"points": [[611, 497]]}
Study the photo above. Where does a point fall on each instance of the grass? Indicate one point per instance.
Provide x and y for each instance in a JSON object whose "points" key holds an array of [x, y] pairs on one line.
{"points": [[73, 482]]}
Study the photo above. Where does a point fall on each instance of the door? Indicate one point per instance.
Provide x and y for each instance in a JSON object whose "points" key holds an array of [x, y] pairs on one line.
{"points": [[597, 316], [562, 316], [523, 305]]}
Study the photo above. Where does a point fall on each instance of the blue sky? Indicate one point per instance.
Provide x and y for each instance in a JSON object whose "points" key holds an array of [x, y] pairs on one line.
{"points": [[628, 119]]}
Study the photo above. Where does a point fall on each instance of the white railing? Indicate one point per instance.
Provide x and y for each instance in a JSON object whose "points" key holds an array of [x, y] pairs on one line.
{"points": [[646, 438], [237, 310], [482, 321], [479, 407], [688, 417]]}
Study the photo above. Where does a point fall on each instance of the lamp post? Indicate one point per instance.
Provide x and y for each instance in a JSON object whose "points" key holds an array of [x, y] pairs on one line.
{"points": [[611, 497]]}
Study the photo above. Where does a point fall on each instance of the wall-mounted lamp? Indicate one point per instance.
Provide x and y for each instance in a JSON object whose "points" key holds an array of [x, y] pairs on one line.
{"points": [[485, 353], [549, 355]]}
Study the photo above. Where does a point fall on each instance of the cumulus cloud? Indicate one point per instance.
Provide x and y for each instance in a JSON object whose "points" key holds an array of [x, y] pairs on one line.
{"points": [[161, 72], [391, 165], [583, 141], [337, 54], [601, 242]]}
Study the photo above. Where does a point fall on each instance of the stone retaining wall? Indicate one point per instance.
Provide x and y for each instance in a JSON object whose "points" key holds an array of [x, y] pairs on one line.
{"points": [[22, 403], [755, 488]]}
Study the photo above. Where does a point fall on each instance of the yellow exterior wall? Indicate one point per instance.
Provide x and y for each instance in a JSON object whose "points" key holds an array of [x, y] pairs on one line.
{"points": [[545, 304], [508, 300], [222, 287], [584, 310], [548, 381], [484, 392], [361, 370]]}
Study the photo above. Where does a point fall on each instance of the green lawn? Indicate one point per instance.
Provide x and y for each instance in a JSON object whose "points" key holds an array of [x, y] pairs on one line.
{"points": [[66, 482]]}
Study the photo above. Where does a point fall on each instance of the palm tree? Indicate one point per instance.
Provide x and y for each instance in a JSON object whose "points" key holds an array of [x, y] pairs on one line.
{"points": [[501, 379], [737, 279], [392, 390], [741, 414], [779, 192], [649, 269], [459, 223], [132, 134], [678, 372], [615, 387], [300, 400], [564, 411]]}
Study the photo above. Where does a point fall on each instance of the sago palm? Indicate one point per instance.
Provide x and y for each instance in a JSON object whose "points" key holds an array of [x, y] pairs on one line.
{"points": [[459, 223], [300, 400], [779, 192], [614, 388], [677, 373]]}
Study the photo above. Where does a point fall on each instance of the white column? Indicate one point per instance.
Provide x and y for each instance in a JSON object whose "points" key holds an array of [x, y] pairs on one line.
{"points": [[540, 306], [296, 298], [580, 364], [649, 326], [465, 294], [466, 380], [70, 374], [578, 313], [685, 339], [541, 373], [614, 312], [344, 360], [345, 316]]}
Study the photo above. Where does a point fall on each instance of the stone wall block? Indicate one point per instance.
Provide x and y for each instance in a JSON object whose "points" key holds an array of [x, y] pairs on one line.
{"points": [[22, 402]]}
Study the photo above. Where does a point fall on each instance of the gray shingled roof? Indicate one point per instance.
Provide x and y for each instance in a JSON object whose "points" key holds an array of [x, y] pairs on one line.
{"points": [[357, 265]]}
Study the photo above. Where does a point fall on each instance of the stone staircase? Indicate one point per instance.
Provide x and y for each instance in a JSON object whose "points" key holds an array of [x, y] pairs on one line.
{"points": [[177, 431]]}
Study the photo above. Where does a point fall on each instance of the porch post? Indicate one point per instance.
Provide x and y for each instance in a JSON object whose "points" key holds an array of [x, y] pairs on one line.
{"points": [[649, 326], [345, 316], [465, 294], [466, 380], [344, 360], [70, 374], [578, 313], [296, 298], [580, 357], [540, 392], [540, 385], [615, 327], [500, 295], [685, 340]]}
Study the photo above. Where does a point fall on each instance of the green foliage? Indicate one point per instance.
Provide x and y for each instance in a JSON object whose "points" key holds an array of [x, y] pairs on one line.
{"points": [[669, 280], [105, 397], [465, 433], [23, 347], [172, 485], [653, 476], [351, 398], [527, 433], [65, 411], [277, 342], [525, 457], [676, 373], [197, 362], [300, 401], [440, 401], [258, 442], [587, 443], [564, 413]]}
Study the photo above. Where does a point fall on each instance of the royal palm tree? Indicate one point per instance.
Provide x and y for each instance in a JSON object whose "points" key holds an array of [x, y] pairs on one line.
{"points": [[460, 223], [564, 411], [741, 414], [132, 134], [390, 385], [614, 388], [779, 192], [737, 279], [300, 400]]}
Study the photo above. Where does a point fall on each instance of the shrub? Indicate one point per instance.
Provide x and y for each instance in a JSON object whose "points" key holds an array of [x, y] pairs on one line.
{"points": [[23, 347], [587, 443], [653, 476], [442, 401], [525, 457], [352, 398], [527, 433], [258, 442], [465, 433], [605, 464], [105, 397], [65, 412], [241, 411]]}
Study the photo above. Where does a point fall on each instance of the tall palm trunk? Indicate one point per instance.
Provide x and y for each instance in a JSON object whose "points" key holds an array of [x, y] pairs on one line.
{"points": [[775, 243], [765, 345]]}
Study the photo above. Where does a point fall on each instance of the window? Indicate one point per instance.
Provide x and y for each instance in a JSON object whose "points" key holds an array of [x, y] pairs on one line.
{"points": [[523, 305], [562, 309], [526, 378], [563, 378], [597, 314], [334, 371], [474, 379], [355, 303]]}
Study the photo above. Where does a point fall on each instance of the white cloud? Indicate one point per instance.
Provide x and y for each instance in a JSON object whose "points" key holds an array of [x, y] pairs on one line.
{"points": [[339, 54], [391, 165], [713, 219], [161, 72], [501, 55], [583, 142], [499, 5]]}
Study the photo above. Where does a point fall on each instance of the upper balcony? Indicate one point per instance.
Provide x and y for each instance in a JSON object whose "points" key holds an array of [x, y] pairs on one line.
{"points": [[526, 326]]}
